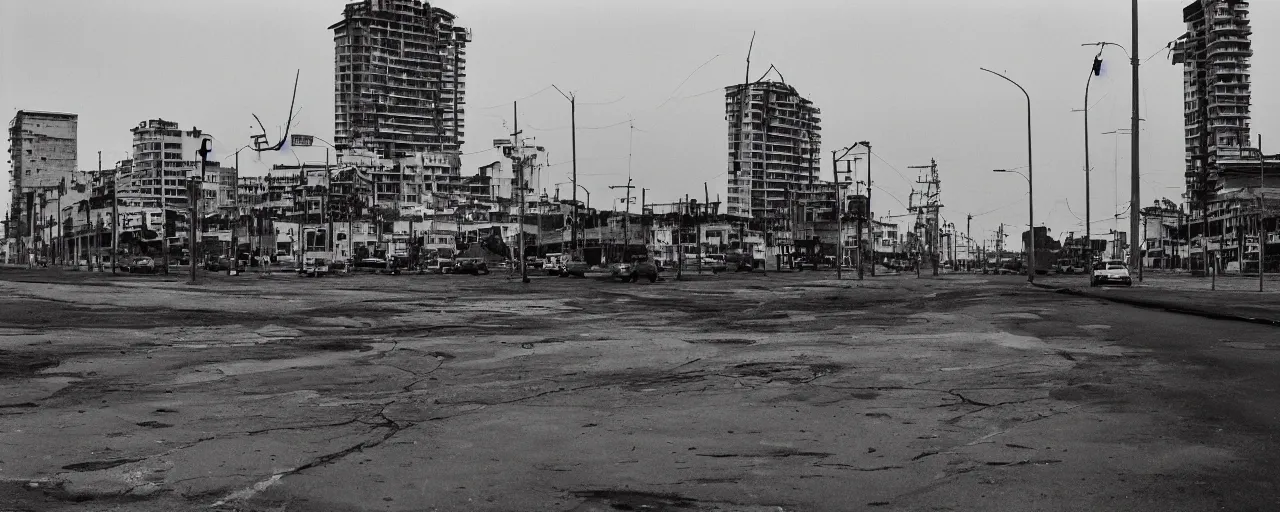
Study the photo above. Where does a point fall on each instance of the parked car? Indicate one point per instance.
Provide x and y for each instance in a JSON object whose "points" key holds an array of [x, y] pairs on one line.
{"points": [[576, 268], [715, 262], [442, 264], [801, 263], [646, 268], [475, 266], [403, 262], [139, 265], [620, 270], [1111, 271], [739, 262], [314, 267], [554, 264], [218, 264], [534, 263], [372, 263]]}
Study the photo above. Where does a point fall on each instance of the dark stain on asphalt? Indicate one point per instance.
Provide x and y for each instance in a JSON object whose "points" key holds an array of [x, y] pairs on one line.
{"points": [[780, 453], [342, 346], [721, 341], [16, 365], [98, 465]]}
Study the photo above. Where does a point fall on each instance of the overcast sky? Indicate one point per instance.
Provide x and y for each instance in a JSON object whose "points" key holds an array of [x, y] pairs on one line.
{"points": [[902, 74]]}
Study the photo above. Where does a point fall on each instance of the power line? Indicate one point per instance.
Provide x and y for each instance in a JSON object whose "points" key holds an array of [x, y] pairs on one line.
{"points": [[620, 98], [508, 103], [704, 93], [1019, 200], [890, 194], [686, 79], [895, 169]]}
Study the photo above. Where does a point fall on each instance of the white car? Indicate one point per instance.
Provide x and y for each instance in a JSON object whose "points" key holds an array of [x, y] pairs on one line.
{"points": [[1111, 271]]}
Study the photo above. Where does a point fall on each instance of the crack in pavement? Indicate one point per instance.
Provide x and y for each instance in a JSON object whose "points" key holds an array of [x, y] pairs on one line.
{"points": [[299, 427], [392, 427], [857, 468]]}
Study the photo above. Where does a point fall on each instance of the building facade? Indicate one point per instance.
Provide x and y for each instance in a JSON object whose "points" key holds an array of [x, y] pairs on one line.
{"points": [[42, 152], [774, 149], [1215, 55], [164, 157], [399, 78], [1225, 187]]}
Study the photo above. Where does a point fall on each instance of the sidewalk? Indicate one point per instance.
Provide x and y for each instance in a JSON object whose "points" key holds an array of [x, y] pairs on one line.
{"points": [[1235, 298]]}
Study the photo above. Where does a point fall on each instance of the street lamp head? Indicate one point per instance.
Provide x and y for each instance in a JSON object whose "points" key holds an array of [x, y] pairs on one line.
{"points": [[999, 170], [1097, 66]]}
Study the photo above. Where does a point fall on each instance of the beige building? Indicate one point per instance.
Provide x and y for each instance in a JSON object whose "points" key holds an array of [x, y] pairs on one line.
{"points": [[42, 155]]}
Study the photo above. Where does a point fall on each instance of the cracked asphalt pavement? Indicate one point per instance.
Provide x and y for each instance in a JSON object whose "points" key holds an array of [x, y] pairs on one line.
{"points": [[744, 392]]}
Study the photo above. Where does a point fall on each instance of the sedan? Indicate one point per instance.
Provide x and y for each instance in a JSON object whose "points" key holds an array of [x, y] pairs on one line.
{"points": [[620, 271], [576, 268], [140, 265], [1111, 271], [475, 266]]}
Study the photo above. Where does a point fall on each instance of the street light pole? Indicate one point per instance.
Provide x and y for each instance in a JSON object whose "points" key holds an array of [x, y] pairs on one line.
{"points": [[573, 130], [196, 195], [1031, 251], [1088, 196], [1031, 202], [1135, 255]]}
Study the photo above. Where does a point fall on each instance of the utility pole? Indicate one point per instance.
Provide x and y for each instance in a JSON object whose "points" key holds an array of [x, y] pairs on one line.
{"points": [[999, 246], [706, 216], [840, 220], [968, 242], [1262, 218], [626, 219], [860, 221], [869, 212], [680, 245], [518, 165], [97, 236], [196, 195], [1135, 197], [643, 226], [235, 208], [929, 209], [115, 214]]}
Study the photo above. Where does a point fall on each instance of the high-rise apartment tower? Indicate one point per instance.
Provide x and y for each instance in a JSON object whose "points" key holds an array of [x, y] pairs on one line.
{"points": [[774, 144], [399, 78], [1215, 54]]}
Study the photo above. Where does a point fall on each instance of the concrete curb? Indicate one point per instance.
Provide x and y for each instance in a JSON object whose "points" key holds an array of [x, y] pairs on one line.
{"points": [[1161, 306]]}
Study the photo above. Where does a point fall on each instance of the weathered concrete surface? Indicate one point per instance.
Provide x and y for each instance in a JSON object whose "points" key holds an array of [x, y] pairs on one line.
{"points": [[1234, 297], [735, 393]]}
